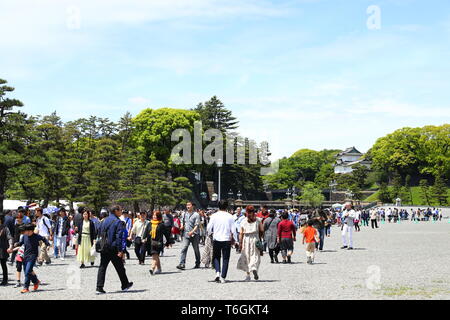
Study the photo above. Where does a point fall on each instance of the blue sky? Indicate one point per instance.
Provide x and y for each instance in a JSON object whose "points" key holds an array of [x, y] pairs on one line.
{"points": [[299, 74]]}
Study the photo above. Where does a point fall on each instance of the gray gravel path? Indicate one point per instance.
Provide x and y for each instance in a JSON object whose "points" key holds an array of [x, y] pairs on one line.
{"points": [[396, 261]]}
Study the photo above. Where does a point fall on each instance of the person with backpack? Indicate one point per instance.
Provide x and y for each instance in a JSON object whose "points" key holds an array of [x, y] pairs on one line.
{"points": [[111, 249], [270, 235], [44, 229]]}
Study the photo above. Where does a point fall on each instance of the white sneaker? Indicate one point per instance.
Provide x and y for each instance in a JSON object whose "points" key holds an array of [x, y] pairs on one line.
{"points": [[247, 278], [62, 259], [222, 280]]}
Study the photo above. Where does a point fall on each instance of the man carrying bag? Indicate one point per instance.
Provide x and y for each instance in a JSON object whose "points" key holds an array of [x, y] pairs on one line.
{"points": [[111, 249]]}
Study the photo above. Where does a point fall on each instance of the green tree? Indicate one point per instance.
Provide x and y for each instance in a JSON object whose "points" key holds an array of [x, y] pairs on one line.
{"points": [[425, 190], [16, 139], [153, 131], [435, 150], [181, 190], [215, 115], [360, 173], [125, 130], [132, 169], [407, 192], [52, 146], [312, 195], [76, 163], [396, 186], [102, 173], [439, 191], [155, 187], [383, 194], [398, 151], [303, 166]]}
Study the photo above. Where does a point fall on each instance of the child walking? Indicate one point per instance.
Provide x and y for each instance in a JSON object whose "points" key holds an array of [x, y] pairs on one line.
{"points": [[311, 236], [30, 241]]}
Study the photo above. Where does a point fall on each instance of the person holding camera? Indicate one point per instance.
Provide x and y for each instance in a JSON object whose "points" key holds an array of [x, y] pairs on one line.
{"points": [[348, 216]]}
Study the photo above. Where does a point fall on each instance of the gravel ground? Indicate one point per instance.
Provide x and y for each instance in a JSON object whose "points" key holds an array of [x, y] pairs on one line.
{"points": [[396, 261]]}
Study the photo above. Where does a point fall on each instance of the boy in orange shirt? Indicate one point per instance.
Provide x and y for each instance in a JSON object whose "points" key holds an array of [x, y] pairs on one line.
{"points": [[311, 237]]}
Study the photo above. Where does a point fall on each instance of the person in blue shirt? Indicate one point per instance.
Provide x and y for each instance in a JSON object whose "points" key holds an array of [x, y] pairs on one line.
{"points": [[30, 241], [113, 227], [124, 237], [26, 219]]}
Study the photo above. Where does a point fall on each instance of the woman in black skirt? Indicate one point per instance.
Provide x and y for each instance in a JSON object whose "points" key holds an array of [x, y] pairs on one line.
{"points": [[153, 238]]}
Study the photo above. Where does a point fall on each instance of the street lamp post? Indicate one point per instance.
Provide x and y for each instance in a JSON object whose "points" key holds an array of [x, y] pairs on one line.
{"points": [[294, 195], [230, 197], [332, 185], [219, 163], [288, 193], [349, 194]]}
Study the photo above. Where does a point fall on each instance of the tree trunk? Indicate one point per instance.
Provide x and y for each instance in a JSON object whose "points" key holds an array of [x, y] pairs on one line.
{"points": [[136, 206], [2, 187], [46, 201]]}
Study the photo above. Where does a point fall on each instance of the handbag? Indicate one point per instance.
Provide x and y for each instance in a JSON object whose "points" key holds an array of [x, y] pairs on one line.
{"points": [[128, 243], [156, 244], [260, 245], [137, 241], [93, 251]]}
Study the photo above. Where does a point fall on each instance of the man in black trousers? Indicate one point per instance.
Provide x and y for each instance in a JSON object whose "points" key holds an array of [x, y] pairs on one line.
{"points": [[113, 251], [223, 229]]}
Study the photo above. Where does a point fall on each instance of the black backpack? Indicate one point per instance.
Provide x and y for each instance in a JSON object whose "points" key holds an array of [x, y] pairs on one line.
{"points": [[102, 244]]}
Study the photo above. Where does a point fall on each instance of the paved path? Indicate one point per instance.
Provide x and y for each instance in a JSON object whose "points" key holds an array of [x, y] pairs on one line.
{"points": [[397, 261]]}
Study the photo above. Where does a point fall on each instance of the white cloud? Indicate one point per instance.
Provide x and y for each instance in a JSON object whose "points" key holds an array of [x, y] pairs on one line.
{"points": [[140, 101], [395, 108]]}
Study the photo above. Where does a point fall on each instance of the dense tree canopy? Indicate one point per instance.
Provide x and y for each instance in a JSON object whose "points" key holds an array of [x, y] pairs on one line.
{"points": [[96, 160], [414, 150]]}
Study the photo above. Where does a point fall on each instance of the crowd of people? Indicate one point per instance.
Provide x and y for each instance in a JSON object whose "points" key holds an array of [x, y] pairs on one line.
{"points": [[26, 236]]}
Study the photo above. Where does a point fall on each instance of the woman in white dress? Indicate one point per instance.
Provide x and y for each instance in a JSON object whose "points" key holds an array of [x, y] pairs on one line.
{"points": [[251, 231]]}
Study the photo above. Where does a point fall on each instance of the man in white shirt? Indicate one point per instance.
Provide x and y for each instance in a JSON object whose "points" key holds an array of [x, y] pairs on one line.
{"points": [[389, 214], [44, 229], [348, 215], [223, 229]]}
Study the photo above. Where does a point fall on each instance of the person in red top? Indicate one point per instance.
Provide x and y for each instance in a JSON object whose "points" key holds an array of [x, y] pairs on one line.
{"points": [[286, 237], [311, 237], [263, 214]]}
